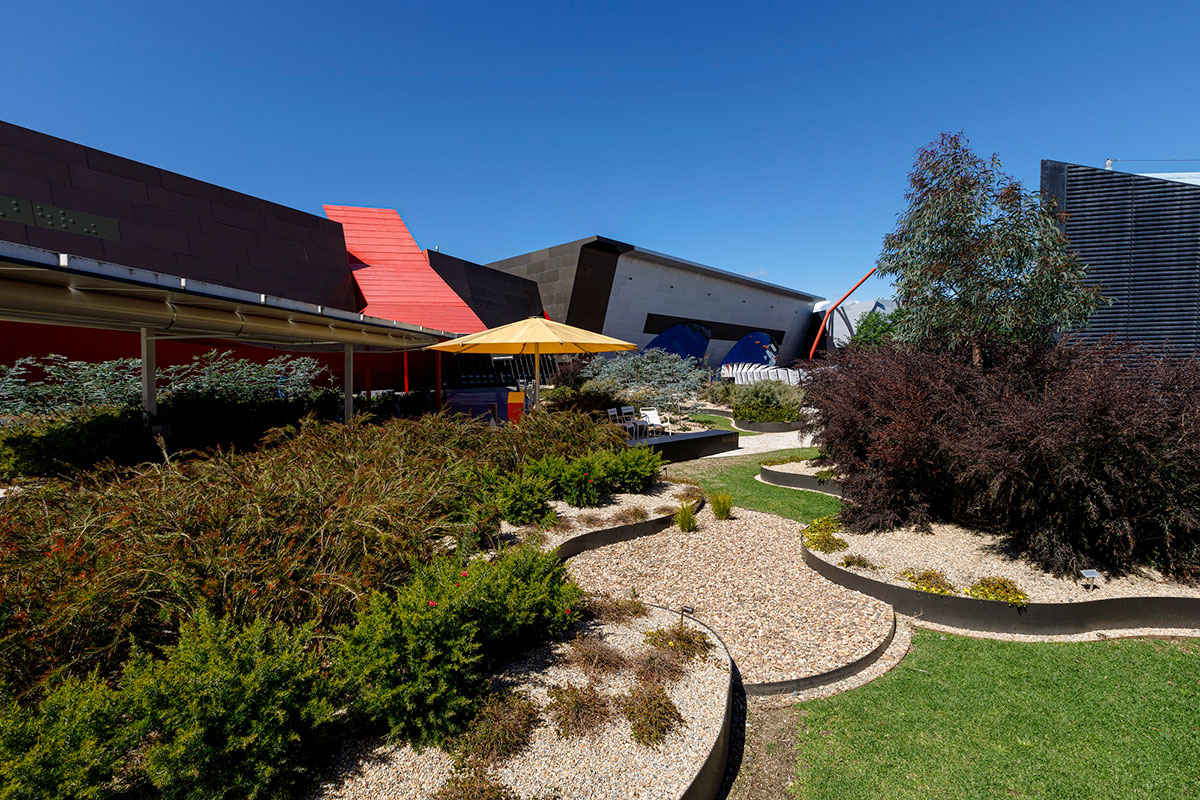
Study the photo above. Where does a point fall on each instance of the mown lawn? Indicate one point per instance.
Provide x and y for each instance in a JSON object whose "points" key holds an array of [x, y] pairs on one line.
{"points": [[967, 718], [736, 475], [714, 421]]}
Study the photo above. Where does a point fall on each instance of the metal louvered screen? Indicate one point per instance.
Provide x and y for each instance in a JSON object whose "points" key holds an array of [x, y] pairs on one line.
{"points": [[1140, 238]]}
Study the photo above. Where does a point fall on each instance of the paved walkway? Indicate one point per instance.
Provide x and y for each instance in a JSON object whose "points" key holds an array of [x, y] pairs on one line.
{"points": [[765, 443]]}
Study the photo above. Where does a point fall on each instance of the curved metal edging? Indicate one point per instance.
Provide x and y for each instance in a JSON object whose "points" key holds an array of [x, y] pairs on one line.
{"points": [[767, 427], [716, 412], [621, 533], [711, 774], [822, 678], [795, 480], [1045, 619]]}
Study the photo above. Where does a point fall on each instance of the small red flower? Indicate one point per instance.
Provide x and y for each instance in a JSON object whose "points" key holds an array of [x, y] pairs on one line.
{"points": [[590, 480], [568, 611], [464, 573], [456, 584], [432, 603]]}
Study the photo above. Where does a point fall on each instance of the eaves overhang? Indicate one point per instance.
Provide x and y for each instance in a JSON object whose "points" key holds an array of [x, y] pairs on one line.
{"points": [[43, 286]]}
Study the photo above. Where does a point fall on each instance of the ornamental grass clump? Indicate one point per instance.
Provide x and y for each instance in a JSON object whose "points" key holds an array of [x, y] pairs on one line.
{"points": [[858, 561], [630, 515], [577, 710], [618, 610], [658, 665], [595, 657], [722, 504], [1002, 590], [297, 531], [502, 728], [821, 535], [681, 640], [473, 783], [685, 517], [651, 713], [929, 580]]}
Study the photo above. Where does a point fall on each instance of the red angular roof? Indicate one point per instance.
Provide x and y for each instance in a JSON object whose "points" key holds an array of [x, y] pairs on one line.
{"points": [[393, 274]]}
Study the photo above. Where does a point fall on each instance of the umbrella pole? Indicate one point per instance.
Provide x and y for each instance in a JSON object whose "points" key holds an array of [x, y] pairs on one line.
{"points": [[537, 375]]}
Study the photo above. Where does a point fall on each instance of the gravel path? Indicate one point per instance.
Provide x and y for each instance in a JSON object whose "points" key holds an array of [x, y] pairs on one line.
{"points": [[608, 766], [765, 443], [745, 578], [965, 556]]}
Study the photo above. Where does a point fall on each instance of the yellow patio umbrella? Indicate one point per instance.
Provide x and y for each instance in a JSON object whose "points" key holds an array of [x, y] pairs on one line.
{"points": [[537, 337]]}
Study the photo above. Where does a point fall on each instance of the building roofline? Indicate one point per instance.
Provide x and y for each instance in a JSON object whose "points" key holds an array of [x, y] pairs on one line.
{"points": [[681, 263]]}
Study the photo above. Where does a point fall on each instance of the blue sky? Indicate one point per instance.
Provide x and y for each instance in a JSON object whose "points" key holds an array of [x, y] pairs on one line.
{"points": [[771, 139]]}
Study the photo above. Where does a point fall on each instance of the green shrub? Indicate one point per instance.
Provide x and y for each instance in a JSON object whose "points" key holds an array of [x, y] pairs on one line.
{"points": [[685, 516], [524, 500], [634, 469], [585, 480], [651, 713], [720, 392], [522, 597], [228, 712], [820, 535], [412, 663], [768, 401], [71, 746], [502, 728], [77, 440], [651, 377], [929, 580], [549, 469], [1003, 590], [722, 504]]}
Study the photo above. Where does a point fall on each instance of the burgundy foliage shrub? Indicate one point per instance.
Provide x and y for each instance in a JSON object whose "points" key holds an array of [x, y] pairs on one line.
{"points": [[1081, 454]]}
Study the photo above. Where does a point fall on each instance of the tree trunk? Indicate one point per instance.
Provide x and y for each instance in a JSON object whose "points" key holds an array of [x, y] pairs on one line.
{"points": [[977, 355]]}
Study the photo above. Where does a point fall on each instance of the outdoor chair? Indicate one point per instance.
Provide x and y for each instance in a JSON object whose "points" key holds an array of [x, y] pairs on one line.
{"points": [[629, 414], [615, 418], [654, 423]]}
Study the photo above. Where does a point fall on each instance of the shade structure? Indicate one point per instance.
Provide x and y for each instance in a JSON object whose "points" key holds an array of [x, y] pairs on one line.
{"points": [[537, 337]]}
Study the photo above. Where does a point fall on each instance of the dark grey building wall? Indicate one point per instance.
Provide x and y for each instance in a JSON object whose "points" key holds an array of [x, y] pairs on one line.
{"points": [[575, 278], [65, 197], [1140, 239], [496, 297]]}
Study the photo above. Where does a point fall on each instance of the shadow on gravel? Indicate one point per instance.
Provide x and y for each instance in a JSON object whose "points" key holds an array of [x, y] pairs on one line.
{"points": [[737, 735]]}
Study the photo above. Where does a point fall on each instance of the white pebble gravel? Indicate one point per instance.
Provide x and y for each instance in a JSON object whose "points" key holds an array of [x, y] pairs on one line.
{"points": [[745, 578], [965, 556], [606, 766], [582, 520]]}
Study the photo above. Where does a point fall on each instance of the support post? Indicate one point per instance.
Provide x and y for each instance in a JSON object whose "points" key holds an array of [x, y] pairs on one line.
{"points": [[437, 370], [537, 374], [348, 382], [406, 372], [149, 374]]}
